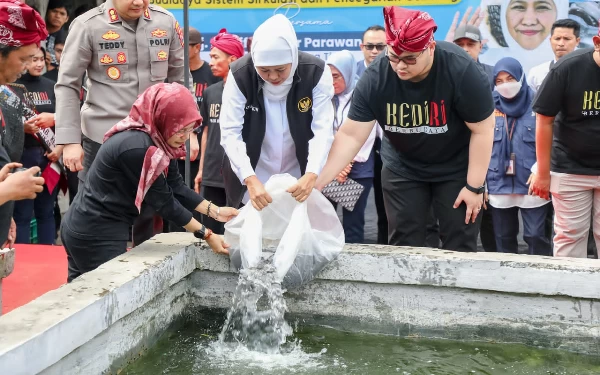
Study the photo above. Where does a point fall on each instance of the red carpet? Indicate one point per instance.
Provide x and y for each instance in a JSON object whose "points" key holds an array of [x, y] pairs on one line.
{"points": [[38, 269]]}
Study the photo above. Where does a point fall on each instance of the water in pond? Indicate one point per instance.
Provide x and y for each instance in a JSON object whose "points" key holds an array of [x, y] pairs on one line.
{"points": [[188, 348]]}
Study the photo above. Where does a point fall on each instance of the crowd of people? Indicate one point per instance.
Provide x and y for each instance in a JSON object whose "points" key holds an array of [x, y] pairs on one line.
{"points": [[451, 148]]}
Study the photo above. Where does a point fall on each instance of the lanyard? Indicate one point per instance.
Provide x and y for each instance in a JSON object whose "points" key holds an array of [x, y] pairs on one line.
{"points": [[512, 129], [336, 122]]}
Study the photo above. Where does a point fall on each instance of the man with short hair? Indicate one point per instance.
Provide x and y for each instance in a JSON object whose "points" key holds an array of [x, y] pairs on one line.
{"points": [[564, 38], [568, 156], [22, 29], [436, 108], [373, 43], [225, 49], [468, 37], [57, 15]]}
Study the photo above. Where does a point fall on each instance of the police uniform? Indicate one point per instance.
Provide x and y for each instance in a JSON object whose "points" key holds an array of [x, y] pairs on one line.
{"points": [[121, 62]]}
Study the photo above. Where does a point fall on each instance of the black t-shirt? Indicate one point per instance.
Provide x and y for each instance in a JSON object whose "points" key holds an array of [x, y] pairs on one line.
{"points": [[571, 92], [426, 138], [203, 78], [107, 199], [40, 91], [52, 75], [60, 35], [210, 110]]}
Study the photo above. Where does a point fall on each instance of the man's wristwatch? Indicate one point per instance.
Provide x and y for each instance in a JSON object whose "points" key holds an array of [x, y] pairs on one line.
{"points": [[479, 190]]}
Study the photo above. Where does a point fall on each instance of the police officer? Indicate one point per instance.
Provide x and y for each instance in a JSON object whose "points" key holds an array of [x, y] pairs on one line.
{"points": [[125, 46]]}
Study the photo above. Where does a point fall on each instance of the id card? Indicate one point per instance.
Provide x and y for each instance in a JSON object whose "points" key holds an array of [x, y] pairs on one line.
{"points": [[510, 170]]}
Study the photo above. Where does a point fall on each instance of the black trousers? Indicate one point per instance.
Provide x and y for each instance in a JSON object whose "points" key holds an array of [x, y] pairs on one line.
{"points": [[382, 220], [408, 203], [87, 255], [218, 197]]}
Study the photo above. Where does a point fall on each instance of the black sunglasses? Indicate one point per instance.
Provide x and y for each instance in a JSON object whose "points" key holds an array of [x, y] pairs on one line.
{"points": [[369, 47]]}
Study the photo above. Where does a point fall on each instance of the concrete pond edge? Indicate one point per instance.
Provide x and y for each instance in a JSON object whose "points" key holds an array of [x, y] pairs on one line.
{"points": [[94, 314]]}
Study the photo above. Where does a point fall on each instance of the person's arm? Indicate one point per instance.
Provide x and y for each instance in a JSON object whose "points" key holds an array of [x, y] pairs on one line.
{"points": [[353, 133], [198, 179], [76, 58], [20, 185], [322, 110], [475, 106], [319, 145], [480, 150], [176, 58], [547, 103], [231, 120]]}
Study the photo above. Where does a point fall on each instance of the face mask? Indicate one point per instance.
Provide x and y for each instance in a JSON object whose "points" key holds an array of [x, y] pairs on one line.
{"points": [[509, 90]]}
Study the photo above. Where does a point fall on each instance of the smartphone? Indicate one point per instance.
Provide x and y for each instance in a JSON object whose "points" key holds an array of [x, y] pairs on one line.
{"points": [[39, 174]]}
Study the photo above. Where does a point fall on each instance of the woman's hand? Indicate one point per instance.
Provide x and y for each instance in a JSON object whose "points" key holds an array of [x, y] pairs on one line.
{"points": [[217, 244], [302, 189], [225, 214], [30, 126], [343, 176]]}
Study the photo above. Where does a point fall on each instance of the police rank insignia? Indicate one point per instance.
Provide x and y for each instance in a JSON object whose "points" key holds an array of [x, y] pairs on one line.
{"points": [[179, 32], [162, 55], [304, 104], [113, 73], [106, 59], [110, 35], [158, 33], [147, 14], [112, 15], [121, 58]]}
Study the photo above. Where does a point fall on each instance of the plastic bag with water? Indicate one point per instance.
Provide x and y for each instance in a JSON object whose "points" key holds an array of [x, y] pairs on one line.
{"points": [[299, 238]]}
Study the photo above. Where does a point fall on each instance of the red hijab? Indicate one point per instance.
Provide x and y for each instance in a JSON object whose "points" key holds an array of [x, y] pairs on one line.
{"points": [[161, 111], [408, 30]]}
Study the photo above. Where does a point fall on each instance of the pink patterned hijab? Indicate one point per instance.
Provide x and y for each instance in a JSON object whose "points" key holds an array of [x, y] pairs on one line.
{"points": [[161, 111]]}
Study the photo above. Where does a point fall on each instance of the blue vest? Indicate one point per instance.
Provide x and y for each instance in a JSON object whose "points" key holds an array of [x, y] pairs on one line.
{"points": [[522, 145]]}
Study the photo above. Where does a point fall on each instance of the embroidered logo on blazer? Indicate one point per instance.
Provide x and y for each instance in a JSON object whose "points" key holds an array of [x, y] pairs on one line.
{"points": [[304, 104]]}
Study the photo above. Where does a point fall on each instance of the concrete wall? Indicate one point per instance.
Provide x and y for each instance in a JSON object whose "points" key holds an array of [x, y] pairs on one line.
{"points": [[106, 318], [102, 319], [7, 264], [548, 302]]}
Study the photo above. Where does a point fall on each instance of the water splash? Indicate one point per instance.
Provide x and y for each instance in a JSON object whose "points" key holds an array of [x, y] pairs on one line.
{"points": [[256, 319], [256, 332]]}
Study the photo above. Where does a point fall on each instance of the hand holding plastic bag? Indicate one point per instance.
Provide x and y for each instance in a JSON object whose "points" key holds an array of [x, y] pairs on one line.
{"points": [[304, 237]]}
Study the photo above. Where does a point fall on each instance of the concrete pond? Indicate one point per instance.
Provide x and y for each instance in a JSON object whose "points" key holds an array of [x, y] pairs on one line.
{"points": [[108, 318]]}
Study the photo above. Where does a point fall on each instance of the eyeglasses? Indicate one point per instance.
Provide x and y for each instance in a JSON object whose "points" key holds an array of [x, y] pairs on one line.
{"points": [[184, 131], [369, 47], [408, 60]]}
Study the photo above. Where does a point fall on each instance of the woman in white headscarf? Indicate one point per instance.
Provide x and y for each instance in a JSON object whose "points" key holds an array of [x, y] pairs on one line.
{"points": [[276, 116], [362, 170], [521, 29]]}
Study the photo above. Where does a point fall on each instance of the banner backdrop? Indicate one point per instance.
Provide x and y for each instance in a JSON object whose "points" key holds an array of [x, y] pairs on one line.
{"points": [[517, 28]]}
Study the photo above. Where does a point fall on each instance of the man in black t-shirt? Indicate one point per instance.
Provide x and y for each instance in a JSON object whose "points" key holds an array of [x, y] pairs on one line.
{"points": [[568, 123], [57, 15], [225, 49], [435, 105]]}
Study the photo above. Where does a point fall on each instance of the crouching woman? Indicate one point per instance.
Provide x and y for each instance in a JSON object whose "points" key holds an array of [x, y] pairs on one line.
{"points": [[138, 162]]}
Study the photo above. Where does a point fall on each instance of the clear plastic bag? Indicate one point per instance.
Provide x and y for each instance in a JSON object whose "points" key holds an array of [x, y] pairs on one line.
{"points": [[299, 238]]}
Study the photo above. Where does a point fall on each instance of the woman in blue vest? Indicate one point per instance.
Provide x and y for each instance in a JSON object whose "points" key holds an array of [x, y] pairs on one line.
{"points": [[276, 116], [344, 72], [513, 156]]}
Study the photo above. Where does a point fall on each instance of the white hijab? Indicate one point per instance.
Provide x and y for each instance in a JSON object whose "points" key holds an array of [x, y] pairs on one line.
{"points": [[527, 58], [274, 43]]}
